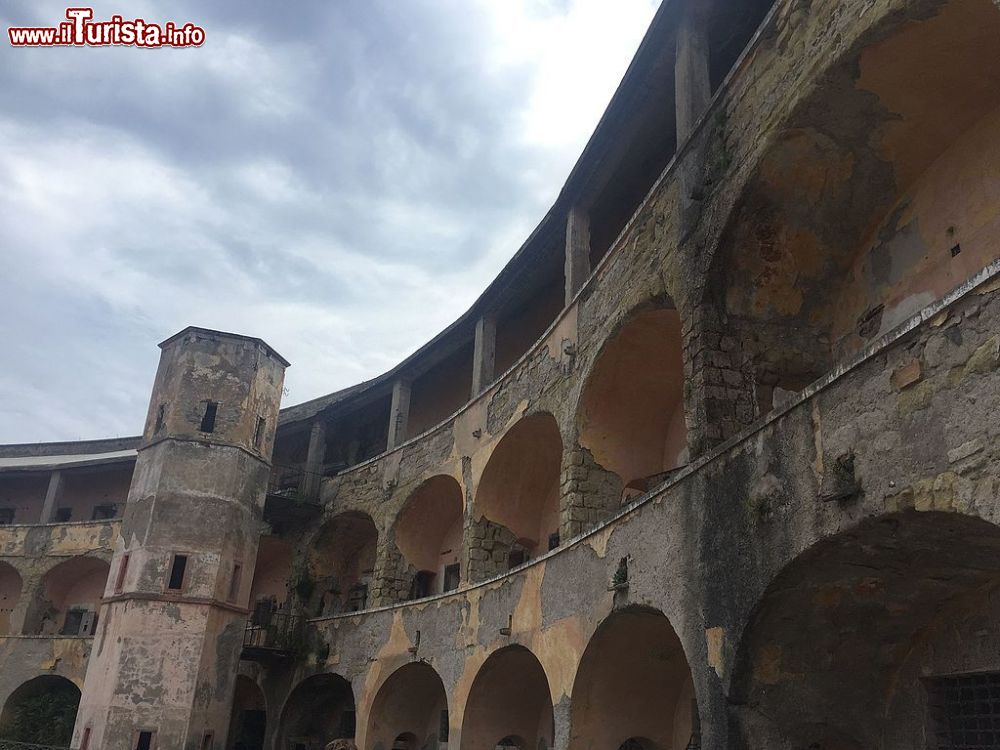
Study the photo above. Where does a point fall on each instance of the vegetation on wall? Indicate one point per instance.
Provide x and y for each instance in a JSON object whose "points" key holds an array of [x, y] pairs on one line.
{"points": [[45, 719]]}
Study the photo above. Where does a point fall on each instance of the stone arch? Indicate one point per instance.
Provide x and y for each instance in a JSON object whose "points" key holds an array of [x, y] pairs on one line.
{"points": [[68, 599], [10, 594], [318, 711], [41, 710], [630, 415], [271, 573], [248, 720], [633, 686], [851, 637], [428, 534], [876, 196], [510, 698], [516, 509], [341, 567], [411, 703]]}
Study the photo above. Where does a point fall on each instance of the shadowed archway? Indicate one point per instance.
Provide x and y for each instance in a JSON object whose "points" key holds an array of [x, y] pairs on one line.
{"points": [[411, 704], [319, 710], [633, 688], [41, 711], [851, 644], [510, 698]]}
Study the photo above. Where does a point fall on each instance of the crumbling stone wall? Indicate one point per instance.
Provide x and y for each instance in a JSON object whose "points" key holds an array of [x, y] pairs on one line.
{"points": [[486, 549], [590, 493]]}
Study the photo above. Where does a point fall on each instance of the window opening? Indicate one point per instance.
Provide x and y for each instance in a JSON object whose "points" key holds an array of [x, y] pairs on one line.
{"points": [[234, 582], [208, 420], [965, 712], [452, 575], [122, 570], [177, 569]]}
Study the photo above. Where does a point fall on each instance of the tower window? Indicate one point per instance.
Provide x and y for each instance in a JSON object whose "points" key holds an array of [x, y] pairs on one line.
{"points": [[234, 582], [160, 414], [208, 420], [208, 741], [144, 740], [122, 570], [258, 435], [177, 569]]}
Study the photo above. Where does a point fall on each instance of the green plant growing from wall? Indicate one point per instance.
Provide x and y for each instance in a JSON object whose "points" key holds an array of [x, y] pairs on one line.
{"points": [[43, 719]]}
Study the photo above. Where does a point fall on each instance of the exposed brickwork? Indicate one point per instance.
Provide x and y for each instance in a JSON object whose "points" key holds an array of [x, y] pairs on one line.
{"points": [[590, 493], [486, 550], [718, 381]]}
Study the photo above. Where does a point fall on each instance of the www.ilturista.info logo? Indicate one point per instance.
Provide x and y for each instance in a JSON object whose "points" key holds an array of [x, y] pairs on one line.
{"points": [[80, 30]]}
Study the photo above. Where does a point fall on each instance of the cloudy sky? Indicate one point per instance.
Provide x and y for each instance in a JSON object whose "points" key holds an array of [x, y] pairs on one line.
{"points": [[342, 181]]}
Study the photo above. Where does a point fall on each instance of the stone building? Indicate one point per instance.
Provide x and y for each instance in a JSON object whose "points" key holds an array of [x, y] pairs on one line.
{"points": [[712, 463]]}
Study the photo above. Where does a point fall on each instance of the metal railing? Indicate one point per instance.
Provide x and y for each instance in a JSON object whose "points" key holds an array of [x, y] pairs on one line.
{"points": [[286, 481], [276, 632]]}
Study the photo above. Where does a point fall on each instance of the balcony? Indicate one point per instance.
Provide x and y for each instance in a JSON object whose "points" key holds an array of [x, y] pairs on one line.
{"points": [[272, 636], [291, 497]]}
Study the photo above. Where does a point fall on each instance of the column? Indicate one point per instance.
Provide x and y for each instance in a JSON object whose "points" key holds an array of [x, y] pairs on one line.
{"points": [[315, 458], [484, 356], [399, 413], [52, 496], [693, 85], [577, 251], [719, 398]]}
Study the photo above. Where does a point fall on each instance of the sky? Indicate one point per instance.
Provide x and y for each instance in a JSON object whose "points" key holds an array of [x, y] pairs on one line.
{"points": [[342, 181]]}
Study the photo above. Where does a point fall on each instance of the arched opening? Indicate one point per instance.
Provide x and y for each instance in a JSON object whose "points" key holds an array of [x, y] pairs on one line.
{"points": [[70, 598], [517, 501], [248, 721], [428, 534], [271, 573], [10, 595], [633, 689], [631, 415], [318, 711], [509, 702], [858, 642], [875, 199], [731, 26], [410, 710], [41, 711], [342, 564]]}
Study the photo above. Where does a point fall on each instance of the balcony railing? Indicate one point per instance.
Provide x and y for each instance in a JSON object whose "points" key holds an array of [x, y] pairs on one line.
{"points": [[271, 635], [286, 481]]}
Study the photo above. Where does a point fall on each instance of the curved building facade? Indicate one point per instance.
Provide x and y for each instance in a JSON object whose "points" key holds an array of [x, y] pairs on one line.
{"points": [[711, 464]]}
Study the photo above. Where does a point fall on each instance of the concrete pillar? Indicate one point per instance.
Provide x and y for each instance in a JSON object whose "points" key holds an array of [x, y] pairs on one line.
{"points": [[693, 85], [168, 648], [577, 251], [484, 356], [52, 496], [399, 413], [315, 458]]}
